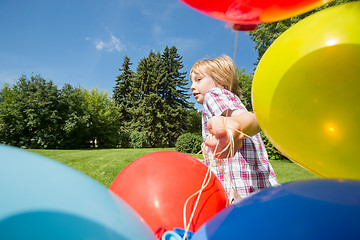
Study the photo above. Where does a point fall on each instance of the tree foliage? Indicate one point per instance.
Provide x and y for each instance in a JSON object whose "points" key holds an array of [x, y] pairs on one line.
{"points": [[30, 113], [124, 96], [175, 95], [193, 121], [161, 104], [34, 113], [75, 118], [245, 82], [104, 124], [146, 113]]}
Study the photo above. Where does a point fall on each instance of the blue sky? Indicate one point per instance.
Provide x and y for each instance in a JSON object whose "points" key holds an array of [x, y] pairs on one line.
{"points": [[84, 42]]}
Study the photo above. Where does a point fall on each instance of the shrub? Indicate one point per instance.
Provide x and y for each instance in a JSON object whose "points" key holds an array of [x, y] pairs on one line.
{"points": [[139, 140], [273, 153], [189, 143]]}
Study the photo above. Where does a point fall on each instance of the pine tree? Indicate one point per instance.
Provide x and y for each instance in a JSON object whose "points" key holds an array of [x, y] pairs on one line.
{"points": [[162, 98], [144, 72], [175, 93], [148, 111], [124, 91], [174, 84]]}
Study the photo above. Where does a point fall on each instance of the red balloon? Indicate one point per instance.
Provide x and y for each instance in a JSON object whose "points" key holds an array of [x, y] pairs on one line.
{"points": [[252, 12], [158, 184]]}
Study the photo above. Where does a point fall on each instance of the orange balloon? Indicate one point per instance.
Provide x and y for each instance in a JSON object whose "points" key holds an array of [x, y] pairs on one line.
{"points": [[249, 12], [158, 184]]}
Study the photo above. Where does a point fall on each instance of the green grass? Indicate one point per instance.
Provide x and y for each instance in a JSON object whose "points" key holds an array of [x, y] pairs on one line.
{"points": [[287, 171], [104, 165]]}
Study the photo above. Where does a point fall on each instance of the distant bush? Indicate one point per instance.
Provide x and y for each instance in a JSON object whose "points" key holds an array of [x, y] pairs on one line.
{"points": [[189, 143], [273, 153], [138, 140]]}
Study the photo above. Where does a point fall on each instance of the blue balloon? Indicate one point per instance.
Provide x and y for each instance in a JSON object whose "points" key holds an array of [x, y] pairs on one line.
{"points": [[43, 199], [312, 209], [177, 234]]}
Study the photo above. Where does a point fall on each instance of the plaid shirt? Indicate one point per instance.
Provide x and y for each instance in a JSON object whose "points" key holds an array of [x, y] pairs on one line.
{"points": [[249, 170]]}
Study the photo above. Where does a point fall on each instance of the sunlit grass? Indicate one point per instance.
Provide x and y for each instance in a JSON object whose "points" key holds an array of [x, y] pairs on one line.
{"points": [[287, 171], [104, 165]]}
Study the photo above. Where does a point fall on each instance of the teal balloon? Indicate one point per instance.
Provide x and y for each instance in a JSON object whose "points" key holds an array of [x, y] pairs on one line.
{"points": [[44, 199]]}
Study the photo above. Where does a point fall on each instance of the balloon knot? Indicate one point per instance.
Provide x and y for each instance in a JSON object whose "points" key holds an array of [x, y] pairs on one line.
{"points": [[159, 232], [244, 27]]}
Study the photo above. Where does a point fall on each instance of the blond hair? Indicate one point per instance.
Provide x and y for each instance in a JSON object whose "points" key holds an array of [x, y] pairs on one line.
{"points": [[221, 69]]}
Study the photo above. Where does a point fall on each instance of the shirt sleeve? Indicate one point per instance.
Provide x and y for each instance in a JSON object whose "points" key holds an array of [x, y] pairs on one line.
{"points": [[218, 100]]}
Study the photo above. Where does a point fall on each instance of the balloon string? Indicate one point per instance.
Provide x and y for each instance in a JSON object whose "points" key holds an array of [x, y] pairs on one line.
{"points": [[203, 186], [235, 45], [230, 146], [199, 192], [220, 162]]}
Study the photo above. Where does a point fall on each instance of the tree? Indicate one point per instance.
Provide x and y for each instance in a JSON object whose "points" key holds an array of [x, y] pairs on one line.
{"points": [[29, 113], [173, 85], [245, 82], [124, 91], [152, 121], [148, 113], [10, 115], [145, 74], [175, 93], [162, 104], [73, 109], [104, 124], [193, 121], [267, 33]]}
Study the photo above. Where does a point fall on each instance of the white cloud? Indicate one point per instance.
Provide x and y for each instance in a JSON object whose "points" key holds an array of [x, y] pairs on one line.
{"points": [[99, 44], [113, 44], [116, 44]]}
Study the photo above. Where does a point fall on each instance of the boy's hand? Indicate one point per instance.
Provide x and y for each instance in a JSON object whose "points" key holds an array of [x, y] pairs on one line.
{"points": [[224, 131]]}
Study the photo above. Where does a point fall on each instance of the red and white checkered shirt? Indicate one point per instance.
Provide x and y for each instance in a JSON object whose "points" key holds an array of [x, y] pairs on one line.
{"points": [[249, 170]]}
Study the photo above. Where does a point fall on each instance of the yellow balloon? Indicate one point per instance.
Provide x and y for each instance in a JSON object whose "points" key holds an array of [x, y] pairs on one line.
{"points": [[306, 92]]}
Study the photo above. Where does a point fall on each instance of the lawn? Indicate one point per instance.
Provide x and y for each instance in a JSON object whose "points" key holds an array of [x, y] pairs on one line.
{"points": [[104, 165]]}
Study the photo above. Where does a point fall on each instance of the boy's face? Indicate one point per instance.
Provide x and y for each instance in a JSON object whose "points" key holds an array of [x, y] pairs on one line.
{"points": [[201, 84]]}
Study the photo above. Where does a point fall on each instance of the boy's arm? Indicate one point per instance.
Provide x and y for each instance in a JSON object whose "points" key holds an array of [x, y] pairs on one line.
{"points": [[246, 120], [228, 131]]}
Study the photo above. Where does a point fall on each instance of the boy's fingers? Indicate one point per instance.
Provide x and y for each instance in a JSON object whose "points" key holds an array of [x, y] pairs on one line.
{"points": [[211, 143], [216, 126]]}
